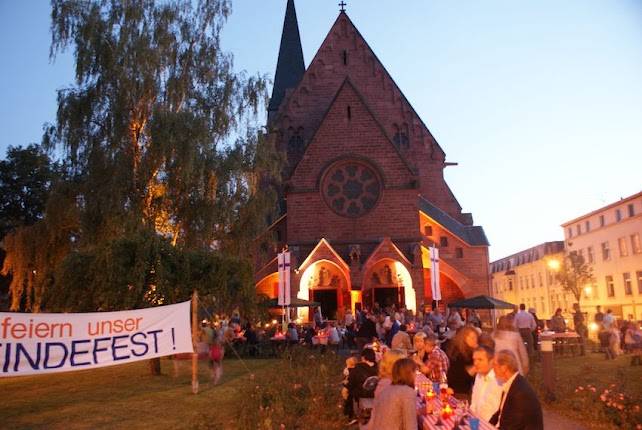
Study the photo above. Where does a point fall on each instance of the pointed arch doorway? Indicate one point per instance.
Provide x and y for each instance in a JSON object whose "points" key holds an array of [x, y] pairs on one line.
{"points": [[389, 282], [324, 282]]}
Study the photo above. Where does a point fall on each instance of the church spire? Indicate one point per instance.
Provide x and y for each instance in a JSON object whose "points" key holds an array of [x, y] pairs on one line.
{"points": [[290, 66]]}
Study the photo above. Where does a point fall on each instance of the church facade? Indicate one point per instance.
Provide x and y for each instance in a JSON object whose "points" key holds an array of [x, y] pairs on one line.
{"points": [[364, 195]]}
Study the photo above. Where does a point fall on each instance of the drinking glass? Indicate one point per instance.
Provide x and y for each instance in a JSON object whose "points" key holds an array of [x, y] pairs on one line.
{"points": [[473, 423]]}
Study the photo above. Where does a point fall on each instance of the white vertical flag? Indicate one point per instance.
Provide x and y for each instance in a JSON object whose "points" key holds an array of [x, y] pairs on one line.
{"points": [[286, 277], [281, 263], [434, 273]]}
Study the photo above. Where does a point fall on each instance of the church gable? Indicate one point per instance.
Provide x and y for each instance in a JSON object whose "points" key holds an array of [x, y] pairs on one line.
{"points": [[350, 131], [345, 53]]}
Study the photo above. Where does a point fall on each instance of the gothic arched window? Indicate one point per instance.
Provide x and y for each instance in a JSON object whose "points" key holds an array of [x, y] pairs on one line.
{"points": [[295, 142], [400, 138]]}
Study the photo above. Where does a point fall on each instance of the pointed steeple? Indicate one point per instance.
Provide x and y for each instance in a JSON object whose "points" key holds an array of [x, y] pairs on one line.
{"points": [[290, 66]]}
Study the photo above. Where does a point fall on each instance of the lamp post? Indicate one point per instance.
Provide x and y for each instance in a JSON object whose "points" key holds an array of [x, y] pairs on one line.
{"points": [[546, 348]]}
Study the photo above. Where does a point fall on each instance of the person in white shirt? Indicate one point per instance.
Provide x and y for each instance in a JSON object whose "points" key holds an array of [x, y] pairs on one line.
{"points": [[525, 324], [333, 335], [506, 337], [455, 321], [486, 391], [608, 320]]}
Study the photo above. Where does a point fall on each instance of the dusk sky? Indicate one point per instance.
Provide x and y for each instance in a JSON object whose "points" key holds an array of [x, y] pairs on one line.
{"points": [[540, 103]]}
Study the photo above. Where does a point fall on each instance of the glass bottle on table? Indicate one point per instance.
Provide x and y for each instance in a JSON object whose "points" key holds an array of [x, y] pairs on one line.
{"points": [[443, 387]]}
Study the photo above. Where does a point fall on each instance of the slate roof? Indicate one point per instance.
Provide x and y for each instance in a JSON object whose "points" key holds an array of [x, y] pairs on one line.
{"points": [[472, 235], [290, 66]]}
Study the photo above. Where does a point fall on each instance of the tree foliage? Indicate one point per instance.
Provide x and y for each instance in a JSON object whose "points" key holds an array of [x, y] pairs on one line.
{"points": [[575, 274], [146, 270], [147, 125], [167, 180], [26, 175]]}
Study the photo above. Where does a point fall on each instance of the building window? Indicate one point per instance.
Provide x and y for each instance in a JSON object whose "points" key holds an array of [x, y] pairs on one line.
{"points": [[578, 228], [510, 285], [624, 250], [533, 281], [635, 243], [589, 255], [628, 285], [587, 226], [570, 232], [602, 223], [443, 241], [521, 283], [459, 252], [631, 210], [610, 288], [539, 277], [639, 275], [606, 251], [618, 215], [428, 230]]}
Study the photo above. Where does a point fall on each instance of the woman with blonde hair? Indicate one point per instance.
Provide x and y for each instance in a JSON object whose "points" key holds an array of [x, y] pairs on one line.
{"points": [[388, 360], [418, 341], [507, 337], [395, 408]]}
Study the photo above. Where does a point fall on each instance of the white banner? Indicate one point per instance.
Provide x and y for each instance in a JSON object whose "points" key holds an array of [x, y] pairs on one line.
{"points": [[33, 344], [283, 261], [280, 261], [286, 282], [434, 273]]}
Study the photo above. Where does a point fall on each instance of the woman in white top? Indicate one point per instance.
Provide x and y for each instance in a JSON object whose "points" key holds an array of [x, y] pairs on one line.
{"points": [[506, 337]]}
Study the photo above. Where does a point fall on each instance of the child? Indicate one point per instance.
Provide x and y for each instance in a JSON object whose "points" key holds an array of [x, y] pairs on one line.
{"points": [[216, 359], [351, 362]]}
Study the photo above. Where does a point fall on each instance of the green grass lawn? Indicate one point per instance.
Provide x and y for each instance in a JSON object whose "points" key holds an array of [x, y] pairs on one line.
{"points": [[617, 376], [125, 397]]}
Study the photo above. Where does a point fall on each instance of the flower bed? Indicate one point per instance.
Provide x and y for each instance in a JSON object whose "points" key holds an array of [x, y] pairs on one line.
{"points": [[601, 394], [301, 391]]}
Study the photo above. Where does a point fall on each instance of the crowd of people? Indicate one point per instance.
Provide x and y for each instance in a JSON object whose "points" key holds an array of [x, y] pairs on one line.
{"points": [[485, 368], [618, 337]]}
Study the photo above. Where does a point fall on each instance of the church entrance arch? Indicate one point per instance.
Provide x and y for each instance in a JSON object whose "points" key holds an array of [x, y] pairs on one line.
{"points": [[324, 282], [389, 282]]}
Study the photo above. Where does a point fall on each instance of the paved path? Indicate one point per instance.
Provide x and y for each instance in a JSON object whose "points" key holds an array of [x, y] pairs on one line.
{"points": [[555, 421]]}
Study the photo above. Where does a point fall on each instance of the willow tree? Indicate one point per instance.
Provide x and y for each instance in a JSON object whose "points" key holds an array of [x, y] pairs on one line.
{"points": [[148, 123], [157, 134]]}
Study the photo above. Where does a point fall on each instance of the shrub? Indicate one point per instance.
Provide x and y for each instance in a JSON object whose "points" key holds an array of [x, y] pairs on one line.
{"points": [[302, 391]]}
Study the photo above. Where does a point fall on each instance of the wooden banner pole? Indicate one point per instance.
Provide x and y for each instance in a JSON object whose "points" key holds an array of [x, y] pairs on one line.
{"points": [[194, 341]]}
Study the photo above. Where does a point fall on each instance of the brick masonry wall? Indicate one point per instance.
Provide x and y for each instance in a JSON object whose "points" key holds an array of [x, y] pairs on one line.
{"points": [[317, 111]]}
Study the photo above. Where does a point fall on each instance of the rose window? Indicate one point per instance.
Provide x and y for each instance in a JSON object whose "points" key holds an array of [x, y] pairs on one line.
{"points": [[351, 188]]}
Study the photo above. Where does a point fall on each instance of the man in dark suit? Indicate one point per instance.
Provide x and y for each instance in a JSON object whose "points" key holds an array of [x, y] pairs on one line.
{"points": [[519, 408]]}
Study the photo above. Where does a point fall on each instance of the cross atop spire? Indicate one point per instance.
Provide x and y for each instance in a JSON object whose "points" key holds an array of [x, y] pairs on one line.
{"points": [[342, 5], [290, 66]]}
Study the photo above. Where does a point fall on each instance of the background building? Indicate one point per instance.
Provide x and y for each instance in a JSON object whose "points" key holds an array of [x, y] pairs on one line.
{"points": [[364, 195], [609, 240], [527, 277]]}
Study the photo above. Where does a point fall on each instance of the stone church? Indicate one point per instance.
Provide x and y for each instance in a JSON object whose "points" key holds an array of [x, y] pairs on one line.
{"points": [[364, 195]]}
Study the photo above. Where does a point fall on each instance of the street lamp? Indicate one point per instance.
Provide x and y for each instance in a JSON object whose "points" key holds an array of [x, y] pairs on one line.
{"points": [[554, 264]]}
